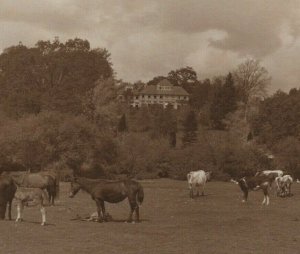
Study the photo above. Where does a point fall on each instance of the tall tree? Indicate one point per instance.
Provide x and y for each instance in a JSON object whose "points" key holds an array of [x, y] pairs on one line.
{"points": [[229, 95], [224, 101], [252, 81], [155, 80], [122, 125], [278, 117], [51, 75], [185, 77], [201, 94]]}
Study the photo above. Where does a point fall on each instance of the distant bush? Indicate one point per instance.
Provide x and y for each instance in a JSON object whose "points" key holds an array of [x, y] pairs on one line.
{"points": [[39, 140]]}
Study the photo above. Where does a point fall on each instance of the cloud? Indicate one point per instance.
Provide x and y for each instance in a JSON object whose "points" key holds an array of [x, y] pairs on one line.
{"points": [[150, 38]]}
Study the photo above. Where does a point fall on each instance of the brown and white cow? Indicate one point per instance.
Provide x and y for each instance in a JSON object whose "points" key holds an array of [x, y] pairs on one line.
{"points": [[254, 183], [271, 174]]}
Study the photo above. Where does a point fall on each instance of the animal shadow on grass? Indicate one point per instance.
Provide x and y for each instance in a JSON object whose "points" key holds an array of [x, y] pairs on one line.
{"points": [[110, 219], [201, 196], [125, 221]]}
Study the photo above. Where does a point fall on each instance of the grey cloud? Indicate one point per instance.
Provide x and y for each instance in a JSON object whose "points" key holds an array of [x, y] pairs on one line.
{"points": [[149, 38]]}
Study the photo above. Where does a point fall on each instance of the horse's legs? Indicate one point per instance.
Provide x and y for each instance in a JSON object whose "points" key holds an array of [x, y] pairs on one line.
{"points": [[52, 198], [20, 210], [137, 214], [9, 209], [103, 210], [100, 209], [133, 206], [50, 195], [202, 190], [43, 212]]}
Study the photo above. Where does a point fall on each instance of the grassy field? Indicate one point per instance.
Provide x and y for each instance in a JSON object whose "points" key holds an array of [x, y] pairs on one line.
{"points": [[171, 223]]}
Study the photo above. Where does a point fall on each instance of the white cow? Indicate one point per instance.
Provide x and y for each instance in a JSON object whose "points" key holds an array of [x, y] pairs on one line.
{"points": [[270, 172], [197, 179], [284, 184]]}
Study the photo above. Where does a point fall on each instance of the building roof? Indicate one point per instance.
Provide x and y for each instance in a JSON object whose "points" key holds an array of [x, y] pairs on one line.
{"points": [[175, 90]]}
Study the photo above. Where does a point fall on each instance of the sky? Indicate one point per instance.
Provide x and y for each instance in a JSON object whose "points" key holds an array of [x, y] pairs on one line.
{"points": [[148, 38]]}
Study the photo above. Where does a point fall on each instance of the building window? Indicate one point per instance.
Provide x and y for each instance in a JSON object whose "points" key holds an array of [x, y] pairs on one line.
{"points": [[149, 96], [154, 96], [136, 97], [143, 96], [161, 96]]}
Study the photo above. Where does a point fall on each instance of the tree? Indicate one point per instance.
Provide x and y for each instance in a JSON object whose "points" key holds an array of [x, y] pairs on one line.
{"points": [[122, 126], [224, 101], [201, 94], [278, 117], [252, 81], [190, 127], [100, 104], [229, 95], [50, 75], [185, 77], [155, 80], [172, 139]]}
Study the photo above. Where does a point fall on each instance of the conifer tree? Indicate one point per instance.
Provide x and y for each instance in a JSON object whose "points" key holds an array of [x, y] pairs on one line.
{"points": [[122, 126], [190, 127]]}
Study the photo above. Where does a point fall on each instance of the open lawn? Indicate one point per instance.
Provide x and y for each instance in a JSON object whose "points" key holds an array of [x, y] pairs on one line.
{"points": [[171, 223]]}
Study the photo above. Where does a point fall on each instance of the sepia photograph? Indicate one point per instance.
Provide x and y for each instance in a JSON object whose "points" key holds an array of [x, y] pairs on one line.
{"points": [[150, 127]]}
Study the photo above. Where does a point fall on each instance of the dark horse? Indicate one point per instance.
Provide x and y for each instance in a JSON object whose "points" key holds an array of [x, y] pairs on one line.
{"points": [[42, 180], [7, 193], [110, 191]]}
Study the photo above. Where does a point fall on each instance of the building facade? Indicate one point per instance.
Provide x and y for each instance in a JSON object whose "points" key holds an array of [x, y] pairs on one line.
{"points": [[164, 93]]}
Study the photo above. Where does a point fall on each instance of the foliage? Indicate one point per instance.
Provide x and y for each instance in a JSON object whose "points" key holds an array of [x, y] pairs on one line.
{"points": [[201, 95], [224, 101], [185, 77], [155, 80], [139, 154], [252, 80], [60, 109], [287, 152], [101, 105], [50, 76], [37, 141], [190, 127], [122, 125], [278, 118]]}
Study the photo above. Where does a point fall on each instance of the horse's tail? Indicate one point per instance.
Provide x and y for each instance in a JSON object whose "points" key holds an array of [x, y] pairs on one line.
{"points": [[140, 194], [53, 187], [56, 192], [45, 197]]}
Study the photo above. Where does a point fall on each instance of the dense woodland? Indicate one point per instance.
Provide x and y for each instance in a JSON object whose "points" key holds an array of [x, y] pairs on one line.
{"points": [[59, 109]]}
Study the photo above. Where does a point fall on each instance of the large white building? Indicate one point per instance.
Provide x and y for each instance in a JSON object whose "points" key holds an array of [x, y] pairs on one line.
{"points": [[164, 93]]}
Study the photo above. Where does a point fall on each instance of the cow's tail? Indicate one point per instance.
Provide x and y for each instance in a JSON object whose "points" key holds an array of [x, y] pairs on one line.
{"points": [[140, 194]]}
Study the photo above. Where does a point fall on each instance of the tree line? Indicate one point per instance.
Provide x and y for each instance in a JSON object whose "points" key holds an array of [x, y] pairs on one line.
{"points": [[60, 109]]}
